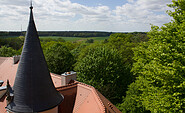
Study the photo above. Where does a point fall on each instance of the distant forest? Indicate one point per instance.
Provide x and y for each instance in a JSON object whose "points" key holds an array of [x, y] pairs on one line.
{"points": [[65, 33]]}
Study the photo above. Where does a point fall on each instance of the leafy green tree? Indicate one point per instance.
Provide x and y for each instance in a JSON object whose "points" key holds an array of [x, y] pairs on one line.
{"points": [[71, 45], [160, 63], [60, 40], [7, 51], [119, 39], [132, 103], [124, 44], [90, 41], [15, 43], [103, 68], [76, 51], [22, 38], [139, 37], [47, 44], [59, 58]]}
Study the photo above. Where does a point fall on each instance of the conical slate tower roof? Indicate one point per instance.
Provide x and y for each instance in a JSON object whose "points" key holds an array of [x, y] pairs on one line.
{"points": [[33, 88]]}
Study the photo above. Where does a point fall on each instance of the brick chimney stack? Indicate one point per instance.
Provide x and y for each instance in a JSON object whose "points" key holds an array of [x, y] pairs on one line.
{"points": [[67, 77]]}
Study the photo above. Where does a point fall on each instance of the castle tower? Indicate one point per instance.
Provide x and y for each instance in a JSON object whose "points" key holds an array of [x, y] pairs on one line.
{"points": [[33, 89]]}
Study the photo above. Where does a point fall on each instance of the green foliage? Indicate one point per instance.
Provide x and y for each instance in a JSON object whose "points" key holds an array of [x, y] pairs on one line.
{"points": [[71, 45], [124, 44], [7, 51], [89, 41], [60, 40], [139, 37], [160, 64], [118, 38], [103, 68], [15, 43], [132, 103], [178, 14], [22, 38], [78, 50], [59, 58]]}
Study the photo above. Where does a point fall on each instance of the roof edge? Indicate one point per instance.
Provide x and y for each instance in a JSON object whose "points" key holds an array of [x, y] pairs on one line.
{"points": [[41, 110]]}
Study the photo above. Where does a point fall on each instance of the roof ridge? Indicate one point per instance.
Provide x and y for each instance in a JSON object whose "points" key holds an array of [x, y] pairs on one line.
{"points": [[68, 85]]}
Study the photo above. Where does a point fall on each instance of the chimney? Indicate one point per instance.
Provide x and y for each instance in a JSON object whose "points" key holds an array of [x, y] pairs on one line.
{"points": [[16, 59], [67, 77]]}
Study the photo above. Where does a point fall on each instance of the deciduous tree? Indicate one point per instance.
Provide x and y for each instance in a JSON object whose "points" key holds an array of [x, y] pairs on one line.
{"points": [[161, 64], [7, 51], [59, 58], [103, 68]]}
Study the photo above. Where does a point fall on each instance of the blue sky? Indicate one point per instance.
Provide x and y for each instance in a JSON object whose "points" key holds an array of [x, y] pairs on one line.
{"points": [[84, 15]]}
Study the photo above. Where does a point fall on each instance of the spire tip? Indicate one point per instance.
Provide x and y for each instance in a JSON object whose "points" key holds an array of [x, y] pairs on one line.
{"points": [[31, 6]]}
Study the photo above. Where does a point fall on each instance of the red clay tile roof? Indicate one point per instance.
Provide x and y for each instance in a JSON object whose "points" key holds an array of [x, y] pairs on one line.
{"points": [[2, 59], [88, 99], [8, 71], [78, 97]]}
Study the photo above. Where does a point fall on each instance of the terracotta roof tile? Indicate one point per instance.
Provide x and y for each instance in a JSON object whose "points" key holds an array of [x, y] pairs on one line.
{"points": [[56, 79], [78, 97], [2, 59], [88, 99], [7, 70]]}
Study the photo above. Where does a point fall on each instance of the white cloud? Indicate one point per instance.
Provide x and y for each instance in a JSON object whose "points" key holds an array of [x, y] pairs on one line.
{"points": [[144, 12], [136, 15], [154, 5], [131, 1], [14, 2]]}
